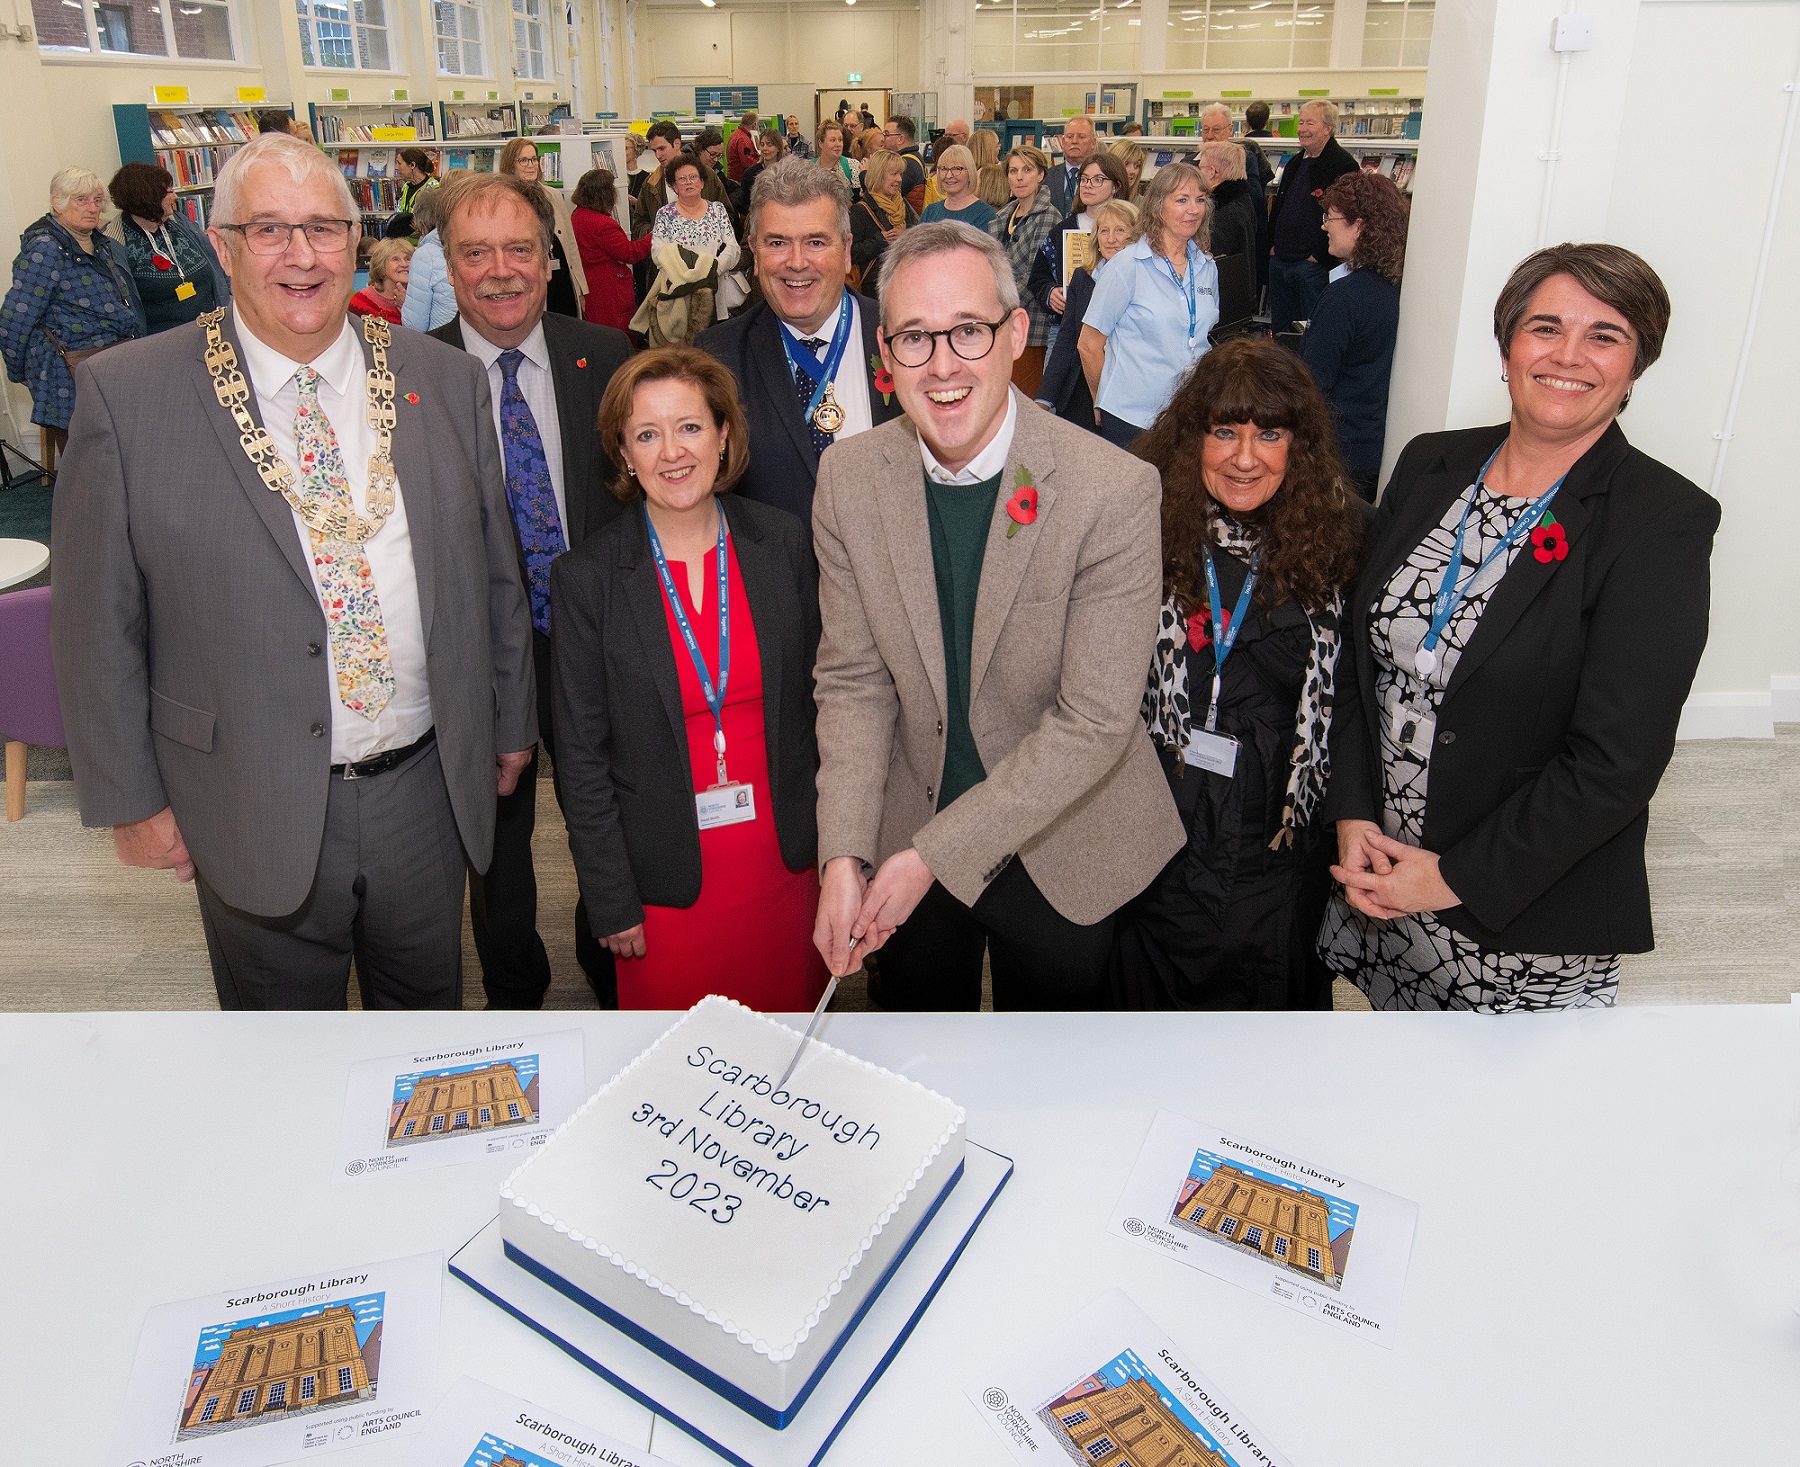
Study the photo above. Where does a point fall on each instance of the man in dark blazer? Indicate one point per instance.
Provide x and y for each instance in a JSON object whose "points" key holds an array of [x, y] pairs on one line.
{"points": [[1079, 143], [1300, 258], [800, 231], [292, 643], [547, 374]]}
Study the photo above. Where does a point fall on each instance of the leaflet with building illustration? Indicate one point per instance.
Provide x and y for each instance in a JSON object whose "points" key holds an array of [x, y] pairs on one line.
{"points": [[480, 1426], [460, 1102], [1316, 1241], [264, 1373], [1110, 1386]]}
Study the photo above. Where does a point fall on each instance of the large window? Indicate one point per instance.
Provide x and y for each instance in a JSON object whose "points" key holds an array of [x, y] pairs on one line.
{"points": [[193, 30], [1398, 32], [530, 53], [1056, 36], [458, 28], [346, 35], [1250, 35]]}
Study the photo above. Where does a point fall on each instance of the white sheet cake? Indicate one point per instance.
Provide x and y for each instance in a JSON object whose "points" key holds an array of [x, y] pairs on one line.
{"points": [[740, 1225]]}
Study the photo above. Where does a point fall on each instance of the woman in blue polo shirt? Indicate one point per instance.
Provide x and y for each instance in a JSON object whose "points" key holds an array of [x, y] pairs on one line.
{"points": [[1147, 323]]}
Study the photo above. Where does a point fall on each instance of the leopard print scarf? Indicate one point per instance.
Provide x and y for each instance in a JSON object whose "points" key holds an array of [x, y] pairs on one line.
{"points": [[1170, 716]]}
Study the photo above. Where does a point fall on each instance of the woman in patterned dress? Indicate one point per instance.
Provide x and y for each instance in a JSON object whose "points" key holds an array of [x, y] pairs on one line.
{"points": [[1525, 630], [698, 224], [1250, 479]]}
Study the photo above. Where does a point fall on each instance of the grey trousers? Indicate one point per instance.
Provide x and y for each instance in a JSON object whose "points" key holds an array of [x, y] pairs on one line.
{"points": [[388, 891]]}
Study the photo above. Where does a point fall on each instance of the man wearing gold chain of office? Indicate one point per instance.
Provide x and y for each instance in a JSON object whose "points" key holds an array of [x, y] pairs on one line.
{"points": [[291, 633]]}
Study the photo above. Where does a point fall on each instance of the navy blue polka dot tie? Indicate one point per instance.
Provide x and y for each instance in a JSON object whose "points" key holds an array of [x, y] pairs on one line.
{"points": [[804, 387]]}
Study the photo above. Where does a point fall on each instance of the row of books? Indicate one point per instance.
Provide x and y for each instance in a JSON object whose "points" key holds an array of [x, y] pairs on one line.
{"points": [[193, 129], [1397, 166], [194, 167], [330, 128], [497, 123], [376, 195], [366, 162], [195, 207]]}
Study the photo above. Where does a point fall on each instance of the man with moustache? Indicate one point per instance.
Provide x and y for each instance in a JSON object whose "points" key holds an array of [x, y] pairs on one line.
{"points": [[806, 357], [990, 580], [291, 637], [547, 374]]}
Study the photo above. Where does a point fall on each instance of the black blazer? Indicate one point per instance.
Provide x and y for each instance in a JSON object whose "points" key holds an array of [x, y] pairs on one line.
{"points": [[1560, 718], [783, 465], [1333, 162], [622, 754], [868, 236], [583, 358], [1064, 386]]}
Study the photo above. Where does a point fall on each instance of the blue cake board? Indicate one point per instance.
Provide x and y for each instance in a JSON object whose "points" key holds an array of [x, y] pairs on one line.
{"points": [[711, 1420]]}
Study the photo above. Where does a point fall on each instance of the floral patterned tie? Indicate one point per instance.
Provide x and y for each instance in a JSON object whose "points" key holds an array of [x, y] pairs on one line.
{"points": [[528, 488], [359, 646]]}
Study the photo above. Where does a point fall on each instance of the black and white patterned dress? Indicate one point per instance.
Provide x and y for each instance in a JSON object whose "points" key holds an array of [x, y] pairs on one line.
{"points": [[1416, 961]]}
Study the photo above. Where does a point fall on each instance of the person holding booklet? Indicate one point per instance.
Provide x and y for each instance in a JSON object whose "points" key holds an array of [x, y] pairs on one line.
{"points": [[684, 637], [1102, 178], [1064, 389]]}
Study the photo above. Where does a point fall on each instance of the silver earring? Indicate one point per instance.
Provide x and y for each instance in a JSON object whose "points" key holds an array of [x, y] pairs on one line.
{"points": [[1505, 378]]}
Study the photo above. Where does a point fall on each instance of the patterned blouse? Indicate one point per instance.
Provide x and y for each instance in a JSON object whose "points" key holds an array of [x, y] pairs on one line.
{"points": [[705, 235], [1416, 961]]}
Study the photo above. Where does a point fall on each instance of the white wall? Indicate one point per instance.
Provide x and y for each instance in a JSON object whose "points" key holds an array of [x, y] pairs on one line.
{"points": [[803, 46], [1642, 165]]}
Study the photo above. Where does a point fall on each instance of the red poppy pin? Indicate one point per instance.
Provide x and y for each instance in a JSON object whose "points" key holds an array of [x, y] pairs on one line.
{"points": [[413, 398], [1199, 628], [1023, 506], [884, 379], [581, 361], [1549, 541]]}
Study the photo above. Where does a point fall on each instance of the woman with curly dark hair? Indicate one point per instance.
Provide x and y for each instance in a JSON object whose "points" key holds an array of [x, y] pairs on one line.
{"points": [[1349, 344], [1260, 536]]}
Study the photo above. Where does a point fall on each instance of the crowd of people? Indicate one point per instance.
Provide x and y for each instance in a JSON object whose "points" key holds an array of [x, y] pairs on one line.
{"points": [[906, 594]]}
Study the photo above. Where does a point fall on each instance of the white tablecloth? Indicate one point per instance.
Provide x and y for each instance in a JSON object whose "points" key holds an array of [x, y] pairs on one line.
{"points": [[20, 560], [1607, 1265]]}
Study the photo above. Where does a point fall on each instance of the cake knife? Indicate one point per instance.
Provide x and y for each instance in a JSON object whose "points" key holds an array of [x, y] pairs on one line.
{"points": [[818, 1013]]}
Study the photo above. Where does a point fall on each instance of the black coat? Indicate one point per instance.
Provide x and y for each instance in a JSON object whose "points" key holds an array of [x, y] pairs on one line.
{"points": [[1065, 386], [583, 358], [868, 236], [1333, 162], [1047, 268], [783, 464], [1560, 718], [1235, 233], [1349, 347], [622, 752]]}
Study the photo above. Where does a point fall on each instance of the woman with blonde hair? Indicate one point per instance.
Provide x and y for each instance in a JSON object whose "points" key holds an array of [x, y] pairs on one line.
{"points": [[984, 143], [1148, 321], [568, 281], [1022, 227], [990, 186], [1133, 156], [957, 199], [881, 214], [1064, 389], [390, 264]]}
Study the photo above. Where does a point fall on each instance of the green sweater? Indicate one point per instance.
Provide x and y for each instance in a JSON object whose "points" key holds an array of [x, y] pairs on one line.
{"points": [[960, 515]]}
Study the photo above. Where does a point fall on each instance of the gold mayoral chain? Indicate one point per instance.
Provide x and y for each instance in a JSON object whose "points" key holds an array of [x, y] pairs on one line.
{"points": [[338, 522], [828, 417]]}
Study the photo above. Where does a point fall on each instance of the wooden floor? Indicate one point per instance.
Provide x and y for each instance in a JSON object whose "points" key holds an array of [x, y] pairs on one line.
{"points": [[79, 931]]}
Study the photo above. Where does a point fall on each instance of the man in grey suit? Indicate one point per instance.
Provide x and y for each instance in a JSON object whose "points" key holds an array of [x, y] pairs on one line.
{"points": [[990, 579], [291, 634]]}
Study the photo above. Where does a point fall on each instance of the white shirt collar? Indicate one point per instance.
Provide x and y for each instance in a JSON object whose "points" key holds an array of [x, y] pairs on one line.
{"points": [[989, 462], [824, 333], [270, 371], [536, 349]]}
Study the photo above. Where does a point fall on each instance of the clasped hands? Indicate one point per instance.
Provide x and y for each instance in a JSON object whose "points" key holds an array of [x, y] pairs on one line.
{"points": [[1383, 878], [857, 916]]}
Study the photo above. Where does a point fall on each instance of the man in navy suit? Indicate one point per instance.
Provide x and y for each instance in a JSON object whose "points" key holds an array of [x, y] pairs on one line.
{"points": [[806, 359], [546, 374]]}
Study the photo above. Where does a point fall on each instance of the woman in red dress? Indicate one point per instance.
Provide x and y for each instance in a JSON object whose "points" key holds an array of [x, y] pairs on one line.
{"points": [[607, 255], [685, 741]]}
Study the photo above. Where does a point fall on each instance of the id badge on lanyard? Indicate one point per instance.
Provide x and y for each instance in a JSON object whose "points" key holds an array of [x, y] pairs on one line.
{"points": [[1207, 748], [725, 802]]}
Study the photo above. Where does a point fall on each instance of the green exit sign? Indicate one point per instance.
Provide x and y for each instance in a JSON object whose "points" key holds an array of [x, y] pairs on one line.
{"points": [[854, 78]]}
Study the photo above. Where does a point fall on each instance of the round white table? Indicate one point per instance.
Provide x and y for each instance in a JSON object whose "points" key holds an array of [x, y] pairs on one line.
{"points": [[20, 560]]}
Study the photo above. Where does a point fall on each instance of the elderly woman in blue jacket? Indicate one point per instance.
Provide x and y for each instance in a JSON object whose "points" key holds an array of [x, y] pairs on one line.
{"points": [[72, 294]]}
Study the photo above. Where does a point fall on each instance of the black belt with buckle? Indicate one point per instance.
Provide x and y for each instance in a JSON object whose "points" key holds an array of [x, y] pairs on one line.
{"points": [[381, 763]]}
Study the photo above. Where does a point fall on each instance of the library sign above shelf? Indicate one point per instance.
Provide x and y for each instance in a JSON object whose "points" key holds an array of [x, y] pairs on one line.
{"points": [[252, 94], [165, 96]]}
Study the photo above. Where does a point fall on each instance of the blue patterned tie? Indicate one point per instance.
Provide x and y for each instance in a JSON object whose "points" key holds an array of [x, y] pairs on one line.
{"points": [[528, 490], [803, 386]]}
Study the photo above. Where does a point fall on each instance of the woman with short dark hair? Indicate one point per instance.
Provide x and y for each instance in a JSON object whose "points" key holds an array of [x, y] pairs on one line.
{"points": [[1260, 539], [687, 758], [1349, 343], [1022, 226], [1525, 630], [173, 263], [607, 252]]}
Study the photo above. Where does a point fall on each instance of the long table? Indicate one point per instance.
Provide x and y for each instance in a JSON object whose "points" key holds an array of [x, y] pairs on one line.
{"points": [[1607, 1266]]}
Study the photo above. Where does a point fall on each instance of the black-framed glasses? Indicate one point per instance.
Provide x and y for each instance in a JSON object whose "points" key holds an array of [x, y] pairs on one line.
{"points": [[970, 340], [272, 237]]}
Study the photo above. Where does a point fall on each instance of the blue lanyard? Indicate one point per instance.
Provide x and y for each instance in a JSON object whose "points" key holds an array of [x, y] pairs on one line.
{"points": [[1453, 588], [1190, 291], [1224, 637], [809, 364], [714, 701]]}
